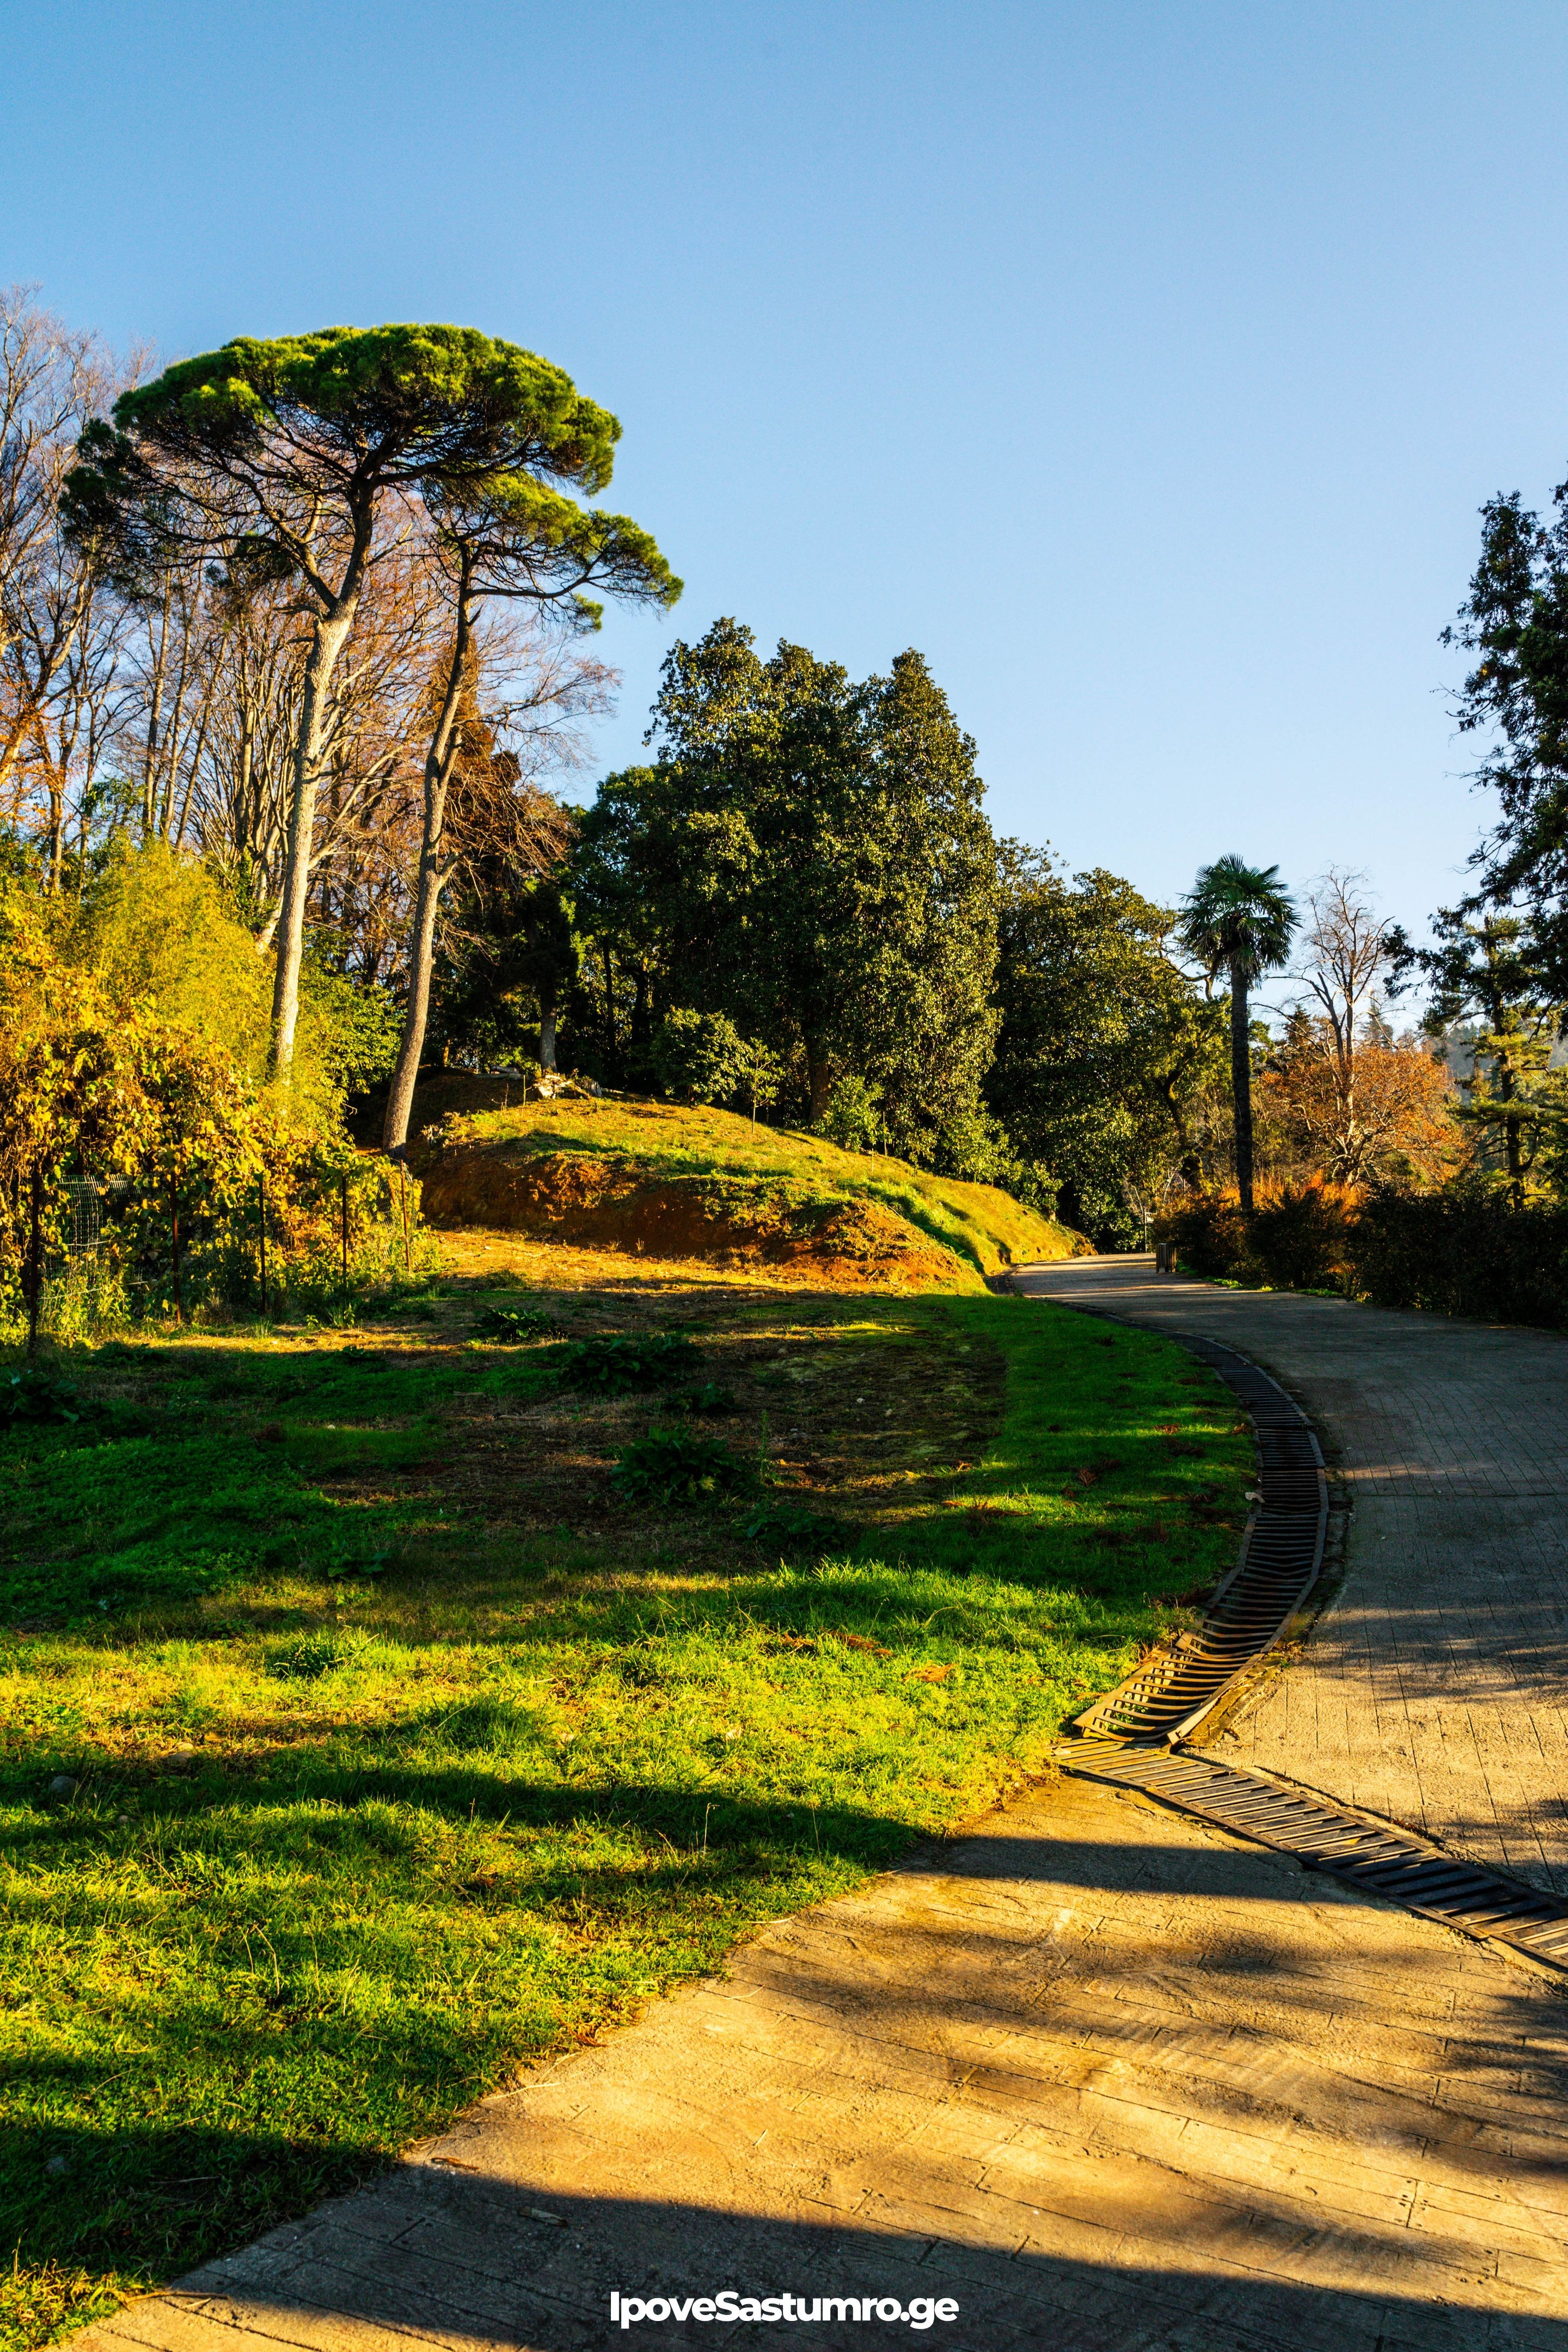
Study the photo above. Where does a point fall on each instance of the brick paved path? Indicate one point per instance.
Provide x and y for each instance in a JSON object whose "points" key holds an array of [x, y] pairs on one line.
{"points": [[1112, 2082], [1433, 1691]]}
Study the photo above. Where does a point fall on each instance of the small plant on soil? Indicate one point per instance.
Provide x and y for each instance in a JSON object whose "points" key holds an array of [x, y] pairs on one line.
{"points": [[513, 1325], [706, 1397], [618, 1366], [677, 1465], [787, 1525], [34, 1394]]}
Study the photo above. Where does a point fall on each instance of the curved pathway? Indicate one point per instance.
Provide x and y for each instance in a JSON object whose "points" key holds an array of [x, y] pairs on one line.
{"points": [[1433, 1690]]}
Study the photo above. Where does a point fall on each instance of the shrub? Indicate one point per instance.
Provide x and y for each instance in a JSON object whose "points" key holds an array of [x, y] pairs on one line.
{"points": [[1300, 1240], [704, 1397], [616, 1367], [1463, 1252], [700, 1056], [853, 1118], [1210, 1235], [513, 1325], [676, 1465], [34, 1394]]}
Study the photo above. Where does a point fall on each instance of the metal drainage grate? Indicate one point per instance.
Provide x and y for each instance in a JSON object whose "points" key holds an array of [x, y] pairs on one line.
{"points": [[1128, 1736], [1360, 1853], [1281, 1555]]}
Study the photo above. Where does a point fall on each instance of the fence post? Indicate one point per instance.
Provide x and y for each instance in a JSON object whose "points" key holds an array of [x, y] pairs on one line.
{"points": [[403, 1204], [345, 1186], [261, 1229]]}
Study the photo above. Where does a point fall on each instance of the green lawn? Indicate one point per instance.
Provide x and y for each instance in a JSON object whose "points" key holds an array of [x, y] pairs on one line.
{"points": [[406, 1751]]}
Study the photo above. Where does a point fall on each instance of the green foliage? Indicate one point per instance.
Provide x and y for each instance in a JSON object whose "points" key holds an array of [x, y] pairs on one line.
{"points": [[1105, 1046], [700, 1056], [705, 1397], [1302, 1239], [620, 1365], [853, 1119], [676, 1465], [352, 1028], [1238, 918], [343, 415], [1463, 1252], [133, 1055], [513, 1325], [36, 1395], [1488, 976], [514, 961], [809, 858], [1210, 1235], [1515, 619]]}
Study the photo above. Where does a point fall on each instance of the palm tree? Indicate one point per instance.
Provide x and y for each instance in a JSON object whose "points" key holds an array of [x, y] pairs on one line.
{"points": [[1238, 918]]}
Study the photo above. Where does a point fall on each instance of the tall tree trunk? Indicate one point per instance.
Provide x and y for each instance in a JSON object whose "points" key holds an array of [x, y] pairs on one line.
{"points": [[150, 748], [546, 1034], [819, 1079], [1512, 1143], [434, 867], [416, 1014], [331, 633], [1241, 1083]]}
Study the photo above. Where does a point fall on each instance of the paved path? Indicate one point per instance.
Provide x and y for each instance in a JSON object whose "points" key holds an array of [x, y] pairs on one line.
{"points": [[1110, 2081], [1433, 1692]]}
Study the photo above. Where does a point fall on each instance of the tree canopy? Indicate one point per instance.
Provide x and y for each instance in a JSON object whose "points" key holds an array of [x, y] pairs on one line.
{"points": [[1105, 1046], [1515, 619], [809, 857], [284, 456]]}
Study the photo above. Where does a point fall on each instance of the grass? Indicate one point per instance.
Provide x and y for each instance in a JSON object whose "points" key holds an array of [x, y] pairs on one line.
{"points": [[760, 1192], [406, 1751]]}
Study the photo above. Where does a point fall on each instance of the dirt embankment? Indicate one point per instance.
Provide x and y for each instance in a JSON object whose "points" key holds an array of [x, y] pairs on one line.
{"points": [[610, 1203]]}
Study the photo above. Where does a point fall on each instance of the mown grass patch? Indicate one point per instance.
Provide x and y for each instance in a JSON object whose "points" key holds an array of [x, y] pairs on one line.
{"points": [[401, 1760]]}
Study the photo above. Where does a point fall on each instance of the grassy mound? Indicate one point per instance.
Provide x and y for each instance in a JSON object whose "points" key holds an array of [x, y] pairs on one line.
{"points": [[697, 1183]]}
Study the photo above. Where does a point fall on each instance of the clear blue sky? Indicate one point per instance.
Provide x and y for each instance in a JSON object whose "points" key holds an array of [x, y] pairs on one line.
{"points": [[1143, 365]]}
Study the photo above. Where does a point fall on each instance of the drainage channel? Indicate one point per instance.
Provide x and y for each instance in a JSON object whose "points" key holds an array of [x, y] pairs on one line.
{"points": [[1281, 1558], [1132, 1737]]}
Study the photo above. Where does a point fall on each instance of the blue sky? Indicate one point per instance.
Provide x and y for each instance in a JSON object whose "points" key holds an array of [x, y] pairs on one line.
{"points": [[1144, 366]]}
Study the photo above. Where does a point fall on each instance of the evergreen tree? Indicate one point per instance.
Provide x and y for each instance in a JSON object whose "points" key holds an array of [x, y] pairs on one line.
{"points": [[810, 857]]}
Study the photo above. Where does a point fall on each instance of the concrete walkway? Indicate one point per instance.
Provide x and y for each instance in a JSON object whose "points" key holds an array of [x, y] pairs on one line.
{"points": [[1433, 1691], [1105, 2078]]}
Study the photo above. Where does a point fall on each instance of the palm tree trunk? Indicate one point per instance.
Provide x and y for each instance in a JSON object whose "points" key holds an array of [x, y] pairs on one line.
{"points": [[1241, 1083]]}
